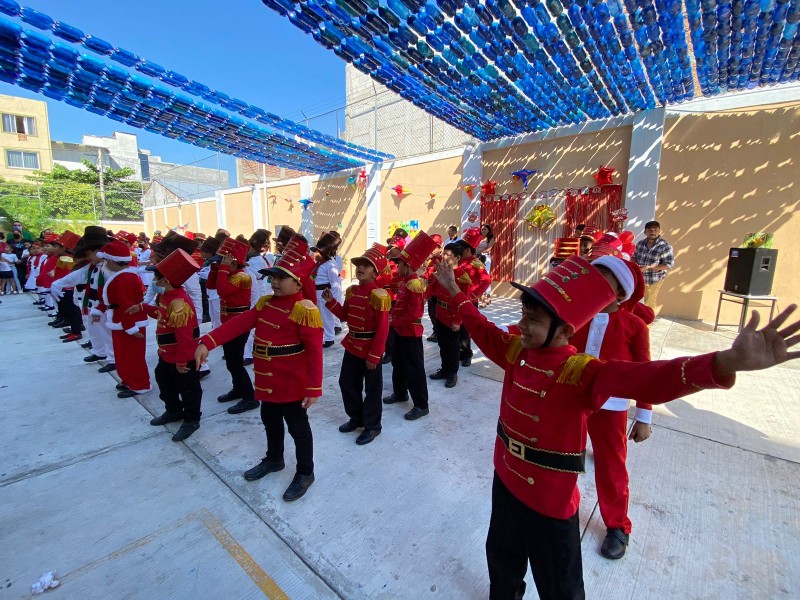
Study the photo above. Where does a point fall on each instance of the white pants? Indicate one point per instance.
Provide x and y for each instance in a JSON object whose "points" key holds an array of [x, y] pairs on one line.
{"points": [[100, 336], [328, 319], [213, 312], [44, 294]]}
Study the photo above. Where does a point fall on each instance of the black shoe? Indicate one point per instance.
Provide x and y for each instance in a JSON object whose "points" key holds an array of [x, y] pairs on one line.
{"points": [[67, 330], [328, 344], [247, 362], [394, 399], [52, 315], [367, 436], [38, 303], [614, 545], [206, 319], [67, 333], [229, 397], [108, 368], [87, 346], [243, 406], [265, 467], [298, 487], [127, 394], [43, 308], [57, 323], [415, 413], [387, 358], [432, 338], [451, 382], [71, 337], [185, 430], [349, 426], [166, 417], [93, 358], [121, 387], [438, 375], [203, 374], [337, 330], [466, 362]]}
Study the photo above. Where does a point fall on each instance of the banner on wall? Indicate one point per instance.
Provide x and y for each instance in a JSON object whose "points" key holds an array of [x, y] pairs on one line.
{"points": [[503, 217], [591, 206]]}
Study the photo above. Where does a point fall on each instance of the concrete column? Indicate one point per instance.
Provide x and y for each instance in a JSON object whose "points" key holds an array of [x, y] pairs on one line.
{"points": [[263, 196], [644, 168], [307, 216], [471, 173], [166, 222], [257, 210], [197, 216], [221, 220], [373, 204]]}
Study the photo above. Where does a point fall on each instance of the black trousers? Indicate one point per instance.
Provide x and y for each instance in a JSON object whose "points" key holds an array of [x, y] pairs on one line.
{"points": [[234, 360], [449, 345], [181, 392], [273, 414], [408, 370], [204, 295], [432, 313], [354, 377], [390, 342], [518, 535], [69, 312], [465, 342]]}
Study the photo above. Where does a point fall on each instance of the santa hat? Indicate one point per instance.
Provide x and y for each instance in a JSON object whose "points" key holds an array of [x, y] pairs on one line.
{"points": [[622, 270], [115, 251]]}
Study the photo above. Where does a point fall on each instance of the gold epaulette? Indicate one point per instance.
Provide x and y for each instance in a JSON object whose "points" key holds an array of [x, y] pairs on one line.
{"points": [[64, 262], [348, 292], [387, 269], [241, 280], [573, 369], [478, 264], [514, 349], [306, 313], [465, 278], [179, 313], [380, 300], [263, 301], [415, 285]]}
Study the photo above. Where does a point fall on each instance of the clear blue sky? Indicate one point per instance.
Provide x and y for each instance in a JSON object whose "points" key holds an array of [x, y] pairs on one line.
{"points": [[239, 47]]}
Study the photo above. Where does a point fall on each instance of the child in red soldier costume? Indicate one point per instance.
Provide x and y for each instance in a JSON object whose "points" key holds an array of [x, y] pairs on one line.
{"points": [[389, 280], [366, 310], [46, 271], [123, 289], [481, 281], [405, 319], [65, 314], [615, 333], [177, 332], [233, 285], [287, 363], [448, 323], [549, 390], [429, 277]]}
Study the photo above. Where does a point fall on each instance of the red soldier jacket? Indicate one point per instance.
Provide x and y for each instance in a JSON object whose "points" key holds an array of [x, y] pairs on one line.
{"points": [[445, 311], [478, 275], [366, 310], [46, 272], [389, 280], [619, 335], [177, 330], [122, 290], [409, 304], [287, 354], [233, 289], [548, 393]]}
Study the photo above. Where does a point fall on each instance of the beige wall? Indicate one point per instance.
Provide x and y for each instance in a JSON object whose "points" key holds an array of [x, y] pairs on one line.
{"points": [[341, 209], [282, 212], [39, 143], [722, 176], [239, 213], [442, 177], [208, 217]]}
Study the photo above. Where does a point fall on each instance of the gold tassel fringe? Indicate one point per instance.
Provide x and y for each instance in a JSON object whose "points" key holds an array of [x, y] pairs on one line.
{"points": [[241, 280], [348, 292], [380, 300], [415, 285], [514, 349], [263, 301], [307, 314], [478, 264], [179, 313], [573, 369], [465, 278]]}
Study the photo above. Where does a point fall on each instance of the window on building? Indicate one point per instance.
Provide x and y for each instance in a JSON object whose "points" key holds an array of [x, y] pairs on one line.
{"points": [[18, 124], [16, 159]]}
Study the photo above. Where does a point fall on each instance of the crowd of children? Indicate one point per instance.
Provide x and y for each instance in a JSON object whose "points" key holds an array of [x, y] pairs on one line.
{"points": [[578, 353]]}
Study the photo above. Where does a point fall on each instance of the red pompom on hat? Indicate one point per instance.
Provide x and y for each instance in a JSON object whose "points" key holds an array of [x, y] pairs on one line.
{"points": [[176, 268], [574, 290], [375, 257], [68, 239], [235, 248], [294, 262], [472, 237], [417, 251], [115, 251]]}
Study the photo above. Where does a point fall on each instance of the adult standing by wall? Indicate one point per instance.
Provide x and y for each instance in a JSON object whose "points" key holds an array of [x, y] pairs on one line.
{"points": [[655, 257], [484, 253]]}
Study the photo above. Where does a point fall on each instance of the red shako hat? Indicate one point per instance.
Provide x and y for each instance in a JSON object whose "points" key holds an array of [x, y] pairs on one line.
{"points": [[115, 251], [417, 251], [591, 232], [68, 239], [608, 245], [176, 268], [294, 262], [437, 238], [472, 237], [235, 248], [374, 257], [49, 238]]}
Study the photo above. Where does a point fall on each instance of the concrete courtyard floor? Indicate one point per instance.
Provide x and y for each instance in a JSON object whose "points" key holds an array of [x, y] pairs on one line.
{"points": [[90, 489]]}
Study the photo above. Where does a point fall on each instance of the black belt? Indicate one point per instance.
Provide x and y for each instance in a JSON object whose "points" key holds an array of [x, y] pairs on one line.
{"points": [[443, 304], [323, 286], [91, 294], [362, 335], [268, 351], [165, 339], [113, 306], [556, 461], [234, 309]]}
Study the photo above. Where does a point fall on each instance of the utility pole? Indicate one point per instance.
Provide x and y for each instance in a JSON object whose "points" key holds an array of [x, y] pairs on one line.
{"points": [[102, 186]]}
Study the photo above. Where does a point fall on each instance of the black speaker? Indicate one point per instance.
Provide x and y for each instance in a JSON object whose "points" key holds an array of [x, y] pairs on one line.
{"points": [[751, 271]]}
